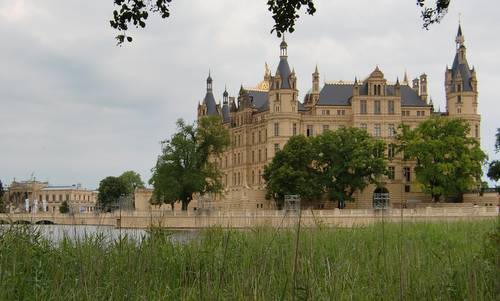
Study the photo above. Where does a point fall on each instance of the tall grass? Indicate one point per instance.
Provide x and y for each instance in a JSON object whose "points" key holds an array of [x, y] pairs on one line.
{"points": [[420, 261]]}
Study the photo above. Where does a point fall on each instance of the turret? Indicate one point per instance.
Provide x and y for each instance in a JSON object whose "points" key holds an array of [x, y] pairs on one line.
{"points": [[423, 87], [415, 85]]}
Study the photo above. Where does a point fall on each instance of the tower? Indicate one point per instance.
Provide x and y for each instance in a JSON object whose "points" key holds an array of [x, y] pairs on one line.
{"points": [[461, 88], [423, 87], [283, 91]]}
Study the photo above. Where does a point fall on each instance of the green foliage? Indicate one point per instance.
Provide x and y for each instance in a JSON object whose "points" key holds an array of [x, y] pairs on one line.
{"points": [[338, 163], [292, 172], [494, 170], [421, 261], [284, 13], [186, 165], [109, 192], [448, 162], [2, 203], [349, 159], [132, 180], [64, 208]]}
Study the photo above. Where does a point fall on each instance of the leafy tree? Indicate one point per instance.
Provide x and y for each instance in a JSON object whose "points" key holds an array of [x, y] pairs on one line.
{"points": [[109, 192], [64, 208], [448, 162], [348, 160], [187, 163], [292, 172], [494, 168], [132, 180], [284, 12], [2, 204]]}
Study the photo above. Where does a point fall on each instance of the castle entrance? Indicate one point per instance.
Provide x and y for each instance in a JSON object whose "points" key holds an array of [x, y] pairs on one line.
{"points": [[381, 198]]}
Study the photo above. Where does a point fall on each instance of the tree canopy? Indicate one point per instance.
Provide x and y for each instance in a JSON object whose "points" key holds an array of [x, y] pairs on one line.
{"points": [[2, 204], [337, 163], [292, 172], [132, 180], [349, 159], [284, 12], [187, 164], [109, 192], [448, 161], [494, 168]]}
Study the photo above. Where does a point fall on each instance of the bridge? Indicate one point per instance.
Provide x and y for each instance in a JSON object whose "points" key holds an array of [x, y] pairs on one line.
{"points": [[249, 219]]}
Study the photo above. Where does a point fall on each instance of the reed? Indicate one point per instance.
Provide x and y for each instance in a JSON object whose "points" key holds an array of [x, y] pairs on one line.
{"points": [[419, 261]]}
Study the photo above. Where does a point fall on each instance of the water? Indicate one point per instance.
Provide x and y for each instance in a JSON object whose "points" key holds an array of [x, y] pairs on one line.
{"points": [[55, 233]]}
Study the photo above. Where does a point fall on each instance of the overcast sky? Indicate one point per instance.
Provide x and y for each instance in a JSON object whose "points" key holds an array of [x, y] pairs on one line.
{"points": [[75, 108]]}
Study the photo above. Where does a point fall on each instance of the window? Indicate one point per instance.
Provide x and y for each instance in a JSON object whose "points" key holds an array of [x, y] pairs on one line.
{"points": [[253, 137], [277, 108], [459, 110], [276, 129], [326, 127], [60, 198], [260, 137], [407, 174], [276, 147], [362, 106], [364, 126], [390, 151], [390, 107], [391, 172], [392, 130], [239, 158], [407, 188], [340, 112], [260, 176], [294, 129], [376, 107], [325, 112], [309, 131], [260, 155], [253, 177], [253, 156], [459, 87], [459, 98], [265, 153], [377, 132]]}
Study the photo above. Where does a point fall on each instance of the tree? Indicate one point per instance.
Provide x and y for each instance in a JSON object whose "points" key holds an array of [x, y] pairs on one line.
{"points": [[64, 208], [494, 168], [348, 160], [2, 204], [448, 162], [109, 192], [187, 164], [284, 12], [132, 180], [292, 172]]}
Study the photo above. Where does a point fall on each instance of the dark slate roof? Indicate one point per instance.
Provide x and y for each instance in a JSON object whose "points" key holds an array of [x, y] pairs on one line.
{"points": [[335, 94], [301, 106], [410, 98], [210, 103], [464, 71], [259, 99], [284, 72], [341, 94], [225, 113]]}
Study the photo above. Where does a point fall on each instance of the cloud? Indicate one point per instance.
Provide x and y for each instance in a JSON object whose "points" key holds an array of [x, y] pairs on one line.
{"points": [[74, 107]]}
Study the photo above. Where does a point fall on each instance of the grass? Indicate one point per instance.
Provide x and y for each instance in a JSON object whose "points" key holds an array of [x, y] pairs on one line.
{"points": [[419, 261]]}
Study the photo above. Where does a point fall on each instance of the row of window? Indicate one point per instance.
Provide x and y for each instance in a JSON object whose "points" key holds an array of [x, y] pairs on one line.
{"points": [[327, 112], [66, 197], [377, 129], [377, 107]]}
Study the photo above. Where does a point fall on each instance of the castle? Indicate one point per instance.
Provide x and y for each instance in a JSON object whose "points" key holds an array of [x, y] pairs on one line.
{"points": [[260, 121]]}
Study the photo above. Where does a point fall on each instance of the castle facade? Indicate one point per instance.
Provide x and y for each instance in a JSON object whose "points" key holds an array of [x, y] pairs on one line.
{"points": [[261, 119]]}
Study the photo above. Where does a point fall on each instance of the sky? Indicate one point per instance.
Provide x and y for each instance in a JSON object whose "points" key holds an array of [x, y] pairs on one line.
{"points": [[75, 108]]}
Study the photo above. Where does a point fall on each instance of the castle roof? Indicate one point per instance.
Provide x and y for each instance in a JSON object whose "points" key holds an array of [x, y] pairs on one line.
{"points": [[210, 103], [340, 94]]}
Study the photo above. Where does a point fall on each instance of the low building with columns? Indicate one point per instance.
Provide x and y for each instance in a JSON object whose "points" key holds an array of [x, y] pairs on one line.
{"points": [[38, 196], [261, 119]]}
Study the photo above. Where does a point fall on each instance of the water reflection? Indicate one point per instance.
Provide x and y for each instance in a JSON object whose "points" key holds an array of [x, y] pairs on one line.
{"points": [[55, 233]]}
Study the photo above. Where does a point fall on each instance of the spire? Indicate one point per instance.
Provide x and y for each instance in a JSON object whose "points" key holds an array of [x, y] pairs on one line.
{"points": [[397, 81], [283, 47], [316, 69], [209, 82], [405, 79], [355, 80], [460, 37], [225, 95]]}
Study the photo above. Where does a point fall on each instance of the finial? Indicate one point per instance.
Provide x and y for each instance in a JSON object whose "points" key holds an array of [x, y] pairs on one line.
{"points": [[459, 18], [316, 69], [355, 80]]}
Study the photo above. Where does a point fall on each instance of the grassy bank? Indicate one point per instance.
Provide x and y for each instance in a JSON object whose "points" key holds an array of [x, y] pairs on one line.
{"points": [[422, 261]]}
